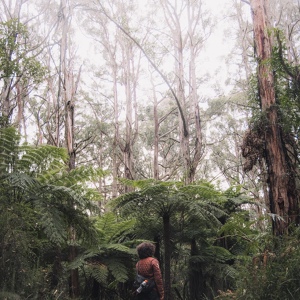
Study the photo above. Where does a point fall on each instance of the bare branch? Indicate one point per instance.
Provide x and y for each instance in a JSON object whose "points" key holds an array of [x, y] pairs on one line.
{"points": [[245, 1], [186, 133]]}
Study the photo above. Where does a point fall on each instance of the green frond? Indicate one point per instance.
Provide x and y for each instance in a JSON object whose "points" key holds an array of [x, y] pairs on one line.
{"points": [[9, 138], [205, 211], [139, 184], [119, 248], [108, 262], [9, 142], [238, 225], [83, 174], [119, 271], [41, 158], [125, 199], [51, 220], [60, 192], [20, 181], [212, 253], [202, 191], [53, 176], [92, 194], [97, 271], [113, 229]]}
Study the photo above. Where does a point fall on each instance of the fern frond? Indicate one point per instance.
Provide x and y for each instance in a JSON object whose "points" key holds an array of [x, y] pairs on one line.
{"points": [[120, 248], [113, 228], [39, 159], [97, 271], [21, 181], [118, 270], [51, 221], [201, 191]]}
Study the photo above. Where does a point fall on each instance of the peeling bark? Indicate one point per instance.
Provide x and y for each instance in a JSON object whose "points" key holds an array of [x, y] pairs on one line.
{"points": [[281, 177]]}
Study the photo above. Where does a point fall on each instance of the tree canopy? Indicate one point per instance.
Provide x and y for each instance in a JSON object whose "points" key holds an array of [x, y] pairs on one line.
{"points": [[174, 122]]}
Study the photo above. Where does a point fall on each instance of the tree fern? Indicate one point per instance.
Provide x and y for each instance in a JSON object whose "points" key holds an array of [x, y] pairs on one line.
{"points": [[97, 271], [39, 201], [113, 228], [179, 210]]}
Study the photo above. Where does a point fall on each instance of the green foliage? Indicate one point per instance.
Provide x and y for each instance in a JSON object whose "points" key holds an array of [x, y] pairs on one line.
{"points": [[37, 211], [272, 274], [195, 212], [15, 60], [110, 262], [112, 230], [240, 234], [286, 85]]}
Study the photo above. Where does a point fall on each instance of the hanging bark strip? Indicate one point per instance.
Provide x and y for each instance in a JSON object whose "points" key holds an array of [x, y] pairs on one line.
{"points": [[281, 178]]}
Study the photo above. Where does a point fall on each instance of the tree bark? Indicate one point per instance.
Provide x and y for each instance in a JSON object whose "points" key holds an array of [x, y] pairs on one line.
{"points": [[167, 257], [68, 84], [281, 181], [196, 278]]}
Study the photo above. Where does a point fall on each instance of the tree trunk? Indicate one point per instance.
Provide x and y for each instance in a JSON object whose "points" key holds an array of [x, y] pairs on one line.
{"points": [[190, 130], [193, 96], [130, 74], [128, 167], [156, 134], [281, 181], [69, 87], [196, 278], [167, 257], [116, 141]]}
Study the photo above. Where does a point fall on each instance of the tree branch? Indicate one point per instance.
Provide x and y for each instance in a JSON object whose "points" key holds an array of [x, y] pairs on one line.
{"points": [[185, 130], [245, 1]]}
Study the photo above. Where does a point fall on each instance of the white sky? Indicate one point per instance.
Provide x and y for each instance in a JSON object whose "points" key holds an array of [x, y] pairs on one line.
{"points": [[217, 47]]}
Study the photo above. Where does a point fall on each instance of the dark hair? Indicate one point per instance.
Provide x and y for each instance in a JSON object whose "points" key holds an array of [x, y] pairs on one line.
{"points": [[145, 250]]}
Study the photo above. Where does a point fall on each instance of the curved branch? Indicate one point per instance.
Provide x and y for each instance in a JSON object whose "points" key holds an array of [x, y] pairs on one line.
{"points": [[245, 1], [185, 130]]}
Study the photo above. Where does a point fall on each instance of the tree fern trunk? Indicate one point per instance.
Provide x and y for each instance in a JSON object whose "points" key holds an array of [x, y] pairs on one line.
{"points": [[167, 265], [196, 279], [74, 275]]}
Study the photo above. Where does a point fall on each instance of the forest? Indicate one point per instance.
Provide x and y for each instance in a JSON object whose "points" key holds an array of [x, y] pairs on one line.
{"points": [[169, 121]]}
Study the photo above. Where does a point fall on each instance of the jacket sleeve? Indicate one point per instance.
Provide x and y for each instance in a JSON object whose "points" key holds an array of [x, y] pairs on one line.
{"points": [[158, 278]]}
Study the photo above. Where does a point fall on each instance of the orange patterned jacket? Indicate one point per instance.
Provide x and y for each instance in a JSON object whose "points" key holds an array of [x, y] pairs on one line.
{"points": [[149, 268]]}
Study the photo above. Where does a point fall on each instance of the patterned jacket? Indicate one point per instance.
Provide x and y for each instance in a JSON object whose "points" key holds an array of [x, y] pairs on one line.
{"points": [[149, 268]]}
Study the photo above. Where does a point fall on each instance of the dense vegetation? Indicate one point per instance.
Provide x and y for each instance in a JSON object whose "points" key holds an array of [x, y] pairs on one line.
{"points": [[96, 158]]}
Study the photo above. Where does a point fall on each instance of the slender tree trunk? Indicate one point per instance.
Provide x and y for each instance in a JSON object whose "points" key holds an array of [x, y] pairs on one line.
{"points": [[131, 74], [69, 88], [116, 142], [190, 130], [282, 195], [184, 136], [196, 279], [167, 257], [193, 96], [127, 149], [156, 132]]}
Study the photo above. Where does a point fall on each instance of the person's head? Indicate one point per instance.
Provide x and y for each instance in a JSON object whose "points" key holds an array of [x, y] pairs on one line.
{"points": [[145, 250]]}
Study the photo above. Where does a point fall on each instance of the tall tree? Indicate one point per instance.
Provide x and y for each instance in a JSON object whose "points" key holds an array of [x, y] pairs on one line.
{"points": [[283, 198], [187, 44], [68, 84], [20, 70]]}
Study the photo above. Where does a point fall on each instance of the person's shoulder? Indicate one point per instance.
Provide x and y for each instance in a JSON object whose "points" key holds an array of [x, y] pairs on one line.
{"points": [[154, 261]]}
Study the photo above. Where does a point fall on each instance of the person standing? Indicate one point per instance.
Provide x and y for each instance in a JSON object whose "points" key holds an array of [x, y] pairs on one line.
{"points": [[148, 267]]}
